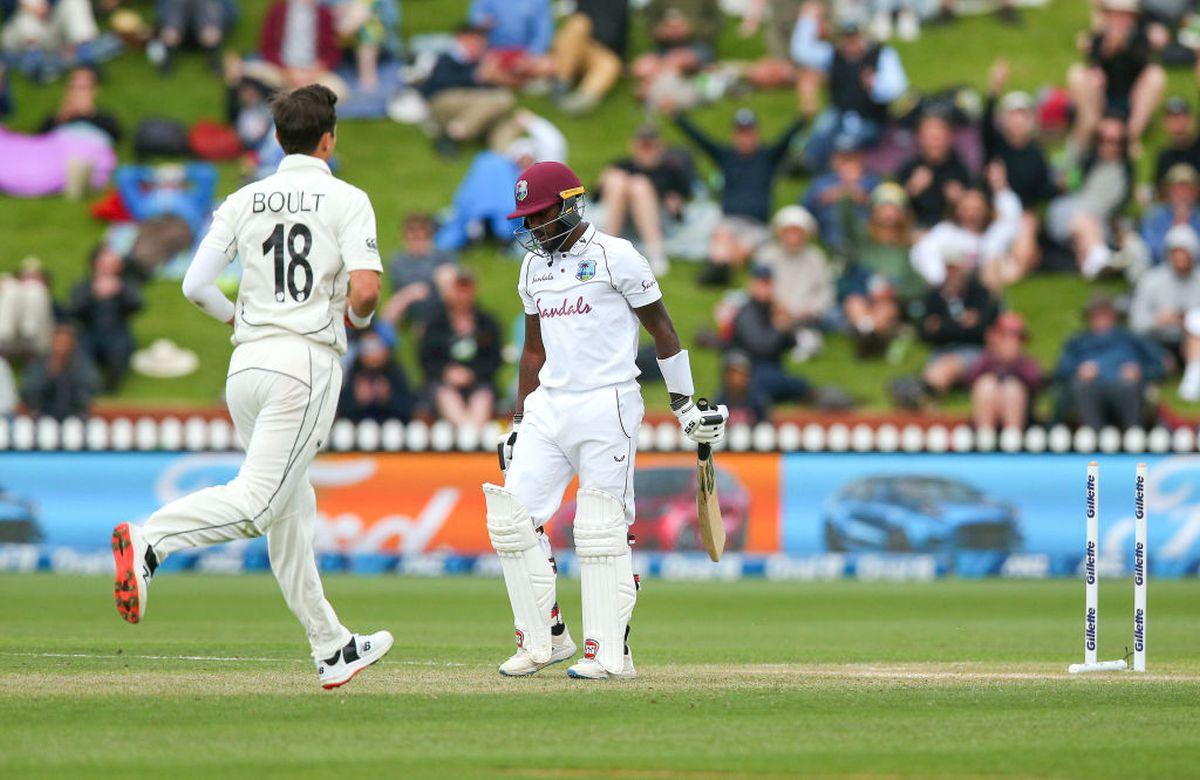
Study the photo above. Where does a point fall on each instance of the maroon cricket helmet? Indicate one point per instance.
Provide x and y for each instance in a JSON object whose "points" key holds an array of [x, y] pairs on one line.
{"points": [[543, 184]]}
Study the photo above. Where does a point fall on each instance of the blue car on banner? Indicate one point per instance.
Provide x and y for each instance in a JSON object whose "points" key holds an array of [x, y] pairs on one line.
{"points": [[917, 513]]}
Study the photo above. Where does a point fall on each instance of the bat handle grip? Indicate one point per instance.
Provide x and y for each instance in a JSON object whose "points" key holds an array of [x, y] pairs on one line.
{"points": [[703, 451]]}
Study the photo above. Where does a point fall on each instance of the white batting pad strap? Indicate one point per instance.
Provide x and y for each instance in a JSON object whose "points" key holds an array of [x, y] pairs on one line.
{"points": [[677, 373], [606, 574], [528, 575]]}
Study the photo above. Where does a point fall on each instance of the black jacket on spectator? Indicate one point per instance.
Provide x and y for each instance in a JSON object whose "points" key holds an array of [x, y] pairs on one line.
{"points": [[1029, 173], [950, 328], [104, 331], [68, 393], [847, 90], [397, 406], [748, 178], [610, 22], [449, 73], [930, 205], [479, 351], [756, 336]]}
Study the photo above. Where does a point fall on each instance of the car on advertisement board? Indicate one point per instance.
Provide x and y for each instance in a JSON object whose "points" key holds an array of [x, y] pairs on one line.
{"points": [[666, 510], [18, 519], [917, 513]]}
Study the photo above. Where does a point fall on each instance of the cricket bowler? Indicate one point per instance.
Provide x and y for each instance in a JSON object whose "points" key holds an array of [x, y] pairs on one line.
{"points": [[307, 244], [578, 410]]}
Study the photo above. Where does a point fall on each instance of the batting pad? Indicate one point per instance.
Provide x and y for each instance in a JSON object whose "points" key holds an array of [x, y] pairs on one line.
{"points": [[528, 575], [606, 574]]}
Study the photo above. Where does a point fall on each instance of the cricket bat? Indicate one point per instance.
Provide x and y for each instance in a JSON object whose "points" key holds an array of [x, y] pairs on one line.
{"points": [[708, 508]]}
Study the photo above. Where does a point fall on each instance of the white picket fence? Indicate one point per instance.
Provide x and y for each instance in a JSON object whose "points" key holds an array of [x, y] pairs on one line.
{"points": [[196, 434]]}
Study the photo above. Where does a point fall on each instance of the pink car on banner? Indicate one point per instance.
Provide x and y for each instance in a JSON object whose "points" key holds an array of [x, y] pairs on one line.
{"points": [[666, 511]]}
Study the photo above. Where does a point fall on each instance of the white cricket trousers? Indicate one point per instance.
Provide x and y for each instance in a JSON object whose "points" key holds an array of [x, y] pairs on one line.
{"points": [[282, 393], [589, 433]]}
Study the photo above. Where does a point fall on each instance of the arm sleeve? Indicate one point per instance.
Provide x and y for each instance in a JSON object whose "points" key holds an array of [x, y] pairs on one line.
{"points": [[357, 241], [222, 233], [991, 136], [808, 50], [710, 148], [780, 149], [200, 283], [530, 306], [543, 31], [890, 79], [632, 277]]}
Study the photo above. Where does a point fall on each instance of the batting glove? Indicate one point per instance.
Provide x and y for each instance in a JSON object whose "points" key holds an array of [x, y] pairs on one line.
{"points": [[705, 426], [504, 447]]}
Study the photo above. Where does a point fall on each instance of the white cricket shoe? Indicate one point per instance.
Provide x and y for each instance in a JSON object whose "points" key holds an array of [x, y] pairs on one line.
{"points": [[562, 647], [590, 669], [133, 572], [359, 653]]}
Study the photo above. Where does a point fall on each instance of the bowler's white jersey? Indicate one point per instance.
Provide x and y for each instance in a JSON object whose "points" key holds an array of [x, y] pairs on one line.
{"points": [[300, 232], [584, 299]]}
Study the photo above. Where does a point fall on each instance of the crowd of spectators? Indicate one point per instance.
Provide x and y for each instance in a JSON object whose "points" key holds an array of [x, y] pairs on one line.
{"points": [[919, 210]]}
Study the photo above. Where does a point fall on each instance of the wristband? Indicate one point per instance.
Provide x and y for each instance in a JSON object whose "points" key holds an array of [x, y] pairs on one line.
{"points": [[677, 372], [357, 321]]}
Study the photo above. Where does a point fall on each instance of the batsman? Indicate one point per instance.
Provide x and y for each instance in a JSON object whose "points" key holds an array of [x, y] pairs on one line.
{"points": [[578, 410]]}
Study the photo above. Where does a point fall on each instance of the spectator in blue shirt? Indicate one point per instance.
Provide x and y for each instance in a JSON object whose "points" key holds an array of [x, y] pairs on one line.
{"points": [[1181, 186], [519, 33], [847, 179], [863, 77], [1105, 369], [183, 190]]}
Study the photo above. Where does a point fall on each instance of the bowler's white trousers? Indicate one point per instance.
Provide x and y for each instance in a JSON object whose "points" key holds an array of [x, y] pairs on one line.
{"points": [[592, 433], [282, 394]]}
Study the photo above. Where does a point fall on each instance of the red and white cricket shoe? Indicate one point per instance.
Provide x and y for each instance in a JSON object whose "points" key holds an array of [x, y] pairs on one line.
{"points": [[133, 572]]}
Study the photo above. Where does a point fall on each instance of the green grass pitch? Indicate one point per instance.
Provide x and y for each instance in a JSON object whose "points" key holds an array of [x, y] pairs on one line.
{"points": [[949, 678]]}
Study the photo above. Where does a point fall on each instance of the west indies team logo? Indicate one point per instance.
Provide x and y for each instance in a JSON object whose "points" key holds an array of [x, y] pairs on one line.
{"points": [[522, 190], [586, 270]]}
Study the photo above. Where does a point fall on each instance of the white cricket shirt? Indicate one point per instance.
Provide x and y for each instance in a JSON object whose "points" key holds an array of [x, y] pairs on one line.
{"points": [[300, 232], [584, 299]]}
